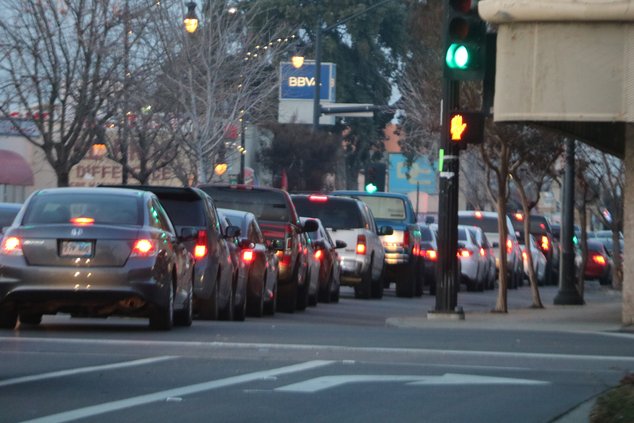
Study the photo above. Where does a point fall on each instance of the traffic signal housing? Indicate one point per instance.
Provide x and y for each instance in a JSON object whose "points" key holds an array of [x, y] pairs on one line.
{"points": [[466, 128], [375, 177], [465, 41]]}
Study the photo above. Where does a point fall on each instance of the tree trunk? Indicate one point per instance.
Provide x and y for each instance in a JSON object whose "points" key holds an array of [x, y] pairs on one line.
{"points": [[537, 301], [63, 178], [501, 305], [583, 221]]}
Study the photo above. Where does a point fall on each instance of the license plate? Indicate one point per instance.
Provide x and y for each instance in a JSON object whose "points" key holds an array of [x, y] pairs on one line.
{"points": [[76, 249]]}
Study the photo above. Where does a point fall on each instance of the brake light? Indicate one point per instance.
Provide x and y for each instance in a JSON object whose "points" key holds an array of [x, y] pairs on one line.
{"points": [[545, 244], [247, 256], [405, 238], [599, 259], [478, 215], [361, 246], [82, 221], [318, 198], [464, 253], [200, 249], [431, 255], [509, 246], [519, 216], [483, 252], [144, 248], [524, 256], [12, 246], [319, 254]]}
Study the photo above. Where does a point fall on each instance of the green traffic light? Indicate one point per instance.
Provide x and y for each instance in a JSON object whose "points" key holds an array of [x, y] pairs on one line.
{"points": [[458, 56], [371, 188]]}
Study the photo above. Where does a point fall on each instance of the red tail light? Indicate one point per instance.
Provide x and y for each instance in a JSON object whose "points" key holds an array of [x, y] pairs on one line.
{"points": [[464, 253], [598, 259], [361, 246], [545, 243], [431, 255], [82, 221], [200, 249], [405, 238], [12, 246], [524, 256], [509, 246], [319, 254], [318, 198], [483, 252], [144, 248], [519, 216], [248, 255]]}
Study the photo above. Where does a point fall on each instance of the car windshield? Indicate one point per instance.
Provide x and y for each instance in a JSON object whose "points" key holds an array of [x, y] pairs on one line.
{"points": [[384, 207], [265, 205], [336, 213], [103, 208], [486, 224], [184, 211]]}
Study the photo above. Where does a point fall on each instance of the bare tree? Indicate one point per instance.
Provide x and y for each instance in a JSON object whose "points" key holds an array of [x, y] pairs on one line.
{"points": [[222, 73], [59, 61]]}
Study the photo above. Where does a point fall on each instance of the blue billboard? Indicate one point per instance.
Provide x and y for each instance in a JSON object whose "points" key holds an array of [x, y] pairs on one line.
{"points": [[299, 84], [421, 174]]}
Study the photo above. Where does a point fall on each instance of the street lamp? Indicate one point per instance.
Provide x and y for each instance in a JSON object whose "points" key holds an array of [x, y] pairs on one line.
{"points": [[243, 150], [191, 20]]}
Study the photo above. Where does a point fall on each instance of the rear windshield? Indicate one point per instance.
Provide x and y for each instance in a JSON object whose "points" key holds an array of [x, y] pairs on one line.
{"points": [[487, 224], [265, 205], [103, 208], [384, 207], [184, 211], [336, 213], [236, 220], [462, 234], [7, 215], [538, 225], [425, 234]]}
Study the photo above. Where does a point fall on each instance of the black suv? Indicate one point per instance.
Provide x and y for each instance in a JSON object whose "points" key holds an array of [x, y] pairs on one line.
{"points": [[280, 224], [194, 216]]}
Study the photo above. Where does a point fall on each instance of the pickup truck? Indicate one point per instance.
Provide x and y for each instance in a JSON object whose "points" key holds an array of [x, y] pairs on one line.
{"points": [[404, 264]]}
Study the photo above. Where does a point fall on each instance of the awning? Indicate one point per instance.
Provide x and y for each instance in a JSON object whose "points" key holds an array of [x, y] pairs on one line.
{"points": [[14, 170]]}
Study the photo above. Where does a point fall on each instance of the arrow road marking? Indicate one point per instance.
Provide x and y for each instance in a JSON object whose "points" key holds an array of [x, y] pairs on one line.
{"points": [[327, 382]]}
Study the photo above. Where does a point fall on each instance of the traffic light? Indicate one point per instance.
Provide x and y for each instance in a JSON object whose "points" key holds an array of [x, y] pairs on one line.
{"points": [[375, 177], [466, 128], [465, 42]]}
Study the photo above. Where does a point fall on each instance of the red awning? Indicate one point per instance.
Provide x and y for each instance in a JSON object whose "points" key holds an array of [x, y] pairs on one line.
{"points": [[14, 170]]}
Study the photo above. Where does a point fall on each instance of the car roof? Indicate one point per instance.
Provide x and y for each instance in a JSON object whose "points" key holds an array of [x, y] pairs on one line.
{"points": [[95, 190], [367, 194]]}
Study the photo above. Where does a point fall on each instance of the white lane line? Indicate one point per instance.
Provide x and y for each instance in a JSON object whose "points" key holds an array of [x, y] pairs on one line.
{"points": [[325, 349], [108, 407], [71, 372]]}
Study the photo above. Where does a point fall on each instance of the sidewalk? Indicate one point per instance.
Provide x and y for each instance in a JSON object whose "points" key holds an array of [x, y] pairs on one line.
{"points": [[601, 312]]}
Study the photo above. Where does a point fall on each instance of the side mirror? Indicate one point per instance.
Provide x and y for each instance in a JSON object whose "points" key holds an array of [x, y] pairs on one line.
{"points": [[340, 244], [232, 231], [188, 233], [310, 226], [245, 243], [386, 230]]}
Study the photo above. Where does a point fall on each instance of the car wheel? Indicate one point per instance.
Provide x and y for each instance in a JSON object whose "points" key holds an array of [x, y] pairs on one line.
{"points": [[184, 317], [30, 318], [303, 293], [162, 316], [364, 288], [226, 313], [287, 298], [208, 308], [255, 304], [8, 318], [377, 285], [326, 293], [405, 281], [605, 281], [240, 309]]}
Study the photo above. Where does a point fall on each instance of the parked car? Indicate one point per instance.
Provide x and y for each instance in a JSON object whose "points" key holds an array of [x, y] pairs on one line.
{"points": [[403, 263], [8, 211], [429, 253], [104, 251], [599, 263], [194, 216], [314, 266], [260, 259], [279, 222], [540, 228], [540, 264], [472, 264], [488, 222], [330, 269], [351, 221], [487, 255]]}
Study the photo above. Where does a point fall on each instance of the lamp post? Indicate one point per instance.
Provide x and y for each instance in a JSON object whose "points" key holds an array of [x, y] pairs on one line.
{"points": [[243, 150]]}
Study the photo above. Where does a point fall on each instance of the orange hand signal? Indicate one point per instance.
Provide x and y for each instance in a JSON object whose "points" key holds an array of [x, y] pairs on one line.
{"points": [[457, 128]]}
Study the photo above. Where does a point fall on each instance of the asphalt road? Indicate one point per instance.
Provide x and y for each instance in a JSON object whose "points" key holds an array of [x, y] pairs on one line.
{"points": [[335, 362]]}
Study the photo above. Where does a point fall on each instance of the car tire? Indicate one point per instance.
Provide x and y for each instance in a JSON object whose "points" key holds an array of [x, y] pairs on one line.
{"points": [[33, 319], [240, 310], [208, 308], [377, 285], [303, 293], [271, 306], [255, 304], [605, 281], [325, 294], [405, 281], [420, 281], [184, 317], [162, 316], [334, 297], [226, 313], [363, 290], [8, 318], [287, 300]]}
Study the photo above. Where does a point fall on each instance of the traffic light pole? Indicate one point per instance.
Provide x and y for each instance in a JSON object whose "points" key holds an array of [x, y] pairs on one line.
{"points": [[447, 272]]}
